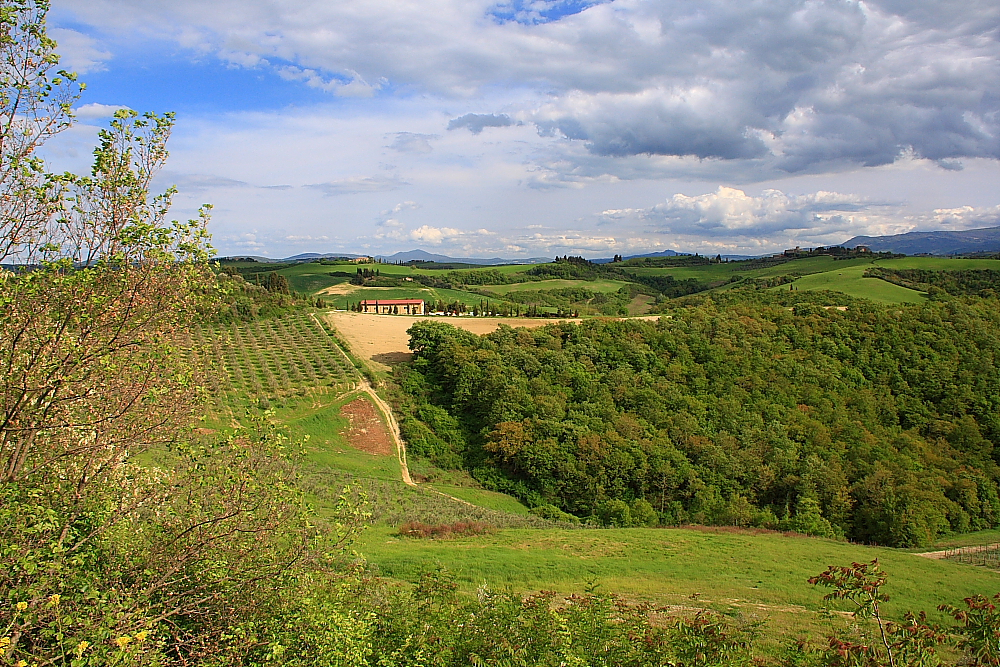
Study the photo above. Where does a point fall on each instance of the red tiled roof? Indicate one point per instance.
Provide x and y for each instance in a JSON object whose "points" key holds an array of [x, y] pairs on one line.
{"points": [[391, 302]]}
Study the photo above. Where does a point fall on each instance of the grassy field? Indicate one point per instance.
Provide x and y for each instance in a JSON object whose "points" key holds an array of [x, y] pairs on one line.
{"points": [[706, 273], [849, 280], [817, 273], [939, 263], [312, 277], [304, 278], [718, 272], [327, 448], [500, 502], [765, 573], [593, 285], [826, 273], [977, 538]]}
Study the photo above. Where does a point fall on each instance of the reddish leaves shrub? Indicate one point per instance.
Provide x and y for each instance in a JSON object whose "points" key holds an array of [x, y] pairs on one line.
{"points": [[445, 530]]}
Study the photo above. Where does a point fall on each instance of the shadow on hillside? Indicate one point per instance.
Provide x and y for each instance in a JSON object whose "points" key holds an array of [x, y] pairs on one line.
{"points": [[392, 358]]}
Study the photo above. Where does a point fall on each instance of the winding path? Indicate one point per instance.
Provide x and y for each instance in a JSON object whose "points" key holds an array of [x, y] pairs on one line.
{"points": [[400, 445], [365, 387], [390, 420]]}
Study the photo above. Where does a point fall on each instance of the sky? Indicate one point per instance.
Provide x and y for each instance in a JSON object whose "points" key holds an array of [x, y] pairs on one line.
{"points": [[527, 128]]}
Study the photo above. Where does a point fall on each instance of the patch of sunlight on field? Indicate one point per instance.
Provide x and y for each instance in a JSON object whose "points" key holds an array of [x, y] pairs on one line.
{"points": [[312, 277], [327, 447], [725, 568], [556, 283], [483, 498], [849, 280]]}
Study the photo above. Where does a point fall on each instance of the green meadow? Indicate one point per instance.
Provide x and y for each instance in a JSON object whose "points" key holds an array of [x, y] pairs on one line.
{"points": [[850, 280], [593, 285], [813, 273], [411, 270], [326, 448], [826, 273], [303, 277], [755, 572], [309, 278], [500, 502], [762, 572], [724, 271]]}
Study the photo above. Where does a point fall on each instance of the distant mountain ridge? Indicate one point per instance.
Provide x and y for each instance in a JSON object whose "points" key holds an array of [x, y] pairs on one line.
{"points": [[932, 243], [670, 253], [665, 253], [407, 256], [423, 255], [302, 257], [307, 256]]}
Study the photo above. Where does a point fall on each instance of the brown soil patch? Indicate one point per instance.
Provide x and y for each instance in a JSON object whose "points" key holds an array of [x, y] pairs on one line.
{"points": [[367, 432], [340, 288], [382, 339]]}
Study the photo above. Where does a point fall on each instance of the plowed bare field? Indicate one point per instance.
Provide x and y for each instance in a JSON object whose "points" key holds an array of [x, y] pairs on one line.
{"points": [[382, 339], [367, 432]]}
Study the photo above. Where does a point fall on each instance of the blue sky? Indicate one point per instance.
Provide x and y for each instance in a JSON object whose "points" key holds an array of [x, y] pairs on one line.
{"points": [[530, 128]]}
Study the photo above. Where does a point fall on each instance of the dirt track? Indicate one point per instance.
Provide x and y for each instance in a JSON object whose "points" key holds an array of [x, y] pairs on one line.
{"points": [[382, 339]]}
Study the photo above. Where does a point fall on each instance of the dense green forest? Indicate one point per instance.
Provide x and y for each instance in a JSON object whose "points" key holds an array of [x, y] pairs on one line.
{"points": [[874, 423]]}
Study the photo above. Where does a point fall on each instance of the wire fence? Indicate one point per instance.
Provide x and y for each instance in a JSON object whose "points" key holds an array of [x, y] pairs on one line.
{"points": [[987, 555]]}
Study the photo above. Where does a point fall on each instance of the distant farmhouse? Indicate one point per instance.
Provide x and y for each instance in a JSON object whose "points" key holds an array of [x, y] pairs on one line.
{"points": [[393, 306], [836, 251]]}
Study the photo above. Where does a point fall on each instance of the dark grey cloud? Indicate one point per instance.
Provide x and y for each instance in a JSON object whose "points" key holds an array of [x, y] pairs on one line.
{"points": [[476, 122], [618, 127], [805, 85]]}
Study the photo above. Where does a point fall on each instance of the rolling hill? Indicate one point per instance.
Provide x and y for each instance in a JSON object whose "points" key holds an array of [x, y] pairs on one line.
{"points": [[932, 243]]}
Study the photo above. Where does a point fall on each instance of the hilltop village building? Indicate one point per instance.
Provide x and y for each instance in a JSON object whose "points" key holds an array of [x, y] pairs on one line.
{"points": [[394, 306]]}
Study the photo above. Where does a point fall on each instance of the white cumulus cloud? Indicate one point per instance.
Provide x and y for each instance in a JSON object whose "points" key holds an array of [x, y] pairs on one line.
{"points": [[78, 52], [96, 110]]}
